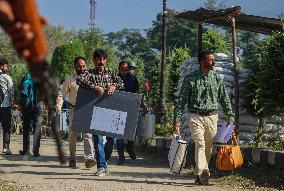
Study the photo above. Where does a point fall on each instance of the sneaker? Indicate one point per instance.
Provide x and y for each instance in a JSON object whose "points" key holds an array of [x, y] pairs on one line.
{"points": [[72, 163], [120, 161], [90, 163], [131, 152], [6, 152], [204, 177], [102, 172], [22, 152]]}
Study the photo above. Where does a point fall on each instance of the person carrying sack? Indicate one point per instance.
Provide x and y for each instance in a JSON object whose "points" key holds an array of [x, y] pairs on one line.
{"points": [[203, 90]]}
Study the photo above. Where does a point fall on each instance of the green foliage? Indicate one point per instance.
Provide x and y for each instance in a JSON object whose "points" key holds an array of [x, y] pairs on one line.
{"points": [[63, 58], [57, 36], [180, 32], [93, 39], [129, 42], [17, 67], [246, 40], [272, 77], [152, 73], [166, 129], [176, 57], [213, 40], [264, 92]]}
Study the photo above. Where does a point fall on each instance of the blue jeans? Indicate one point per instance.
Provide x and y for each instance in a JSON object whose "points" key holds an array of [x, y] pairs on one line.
{"points": [[32, 121], [103, 152]]}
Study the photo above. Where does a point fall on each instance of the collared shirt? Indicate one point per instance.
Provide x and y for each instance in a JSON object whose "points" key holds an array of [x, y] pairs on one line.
{"points": [[130, 83], [69, 88], [204, 92], [93, 78], [6, 84]]}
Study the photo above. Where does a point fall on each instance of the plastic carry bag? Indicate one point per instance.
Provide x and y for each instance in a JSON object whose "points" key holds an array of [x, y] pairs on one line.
{"points": [[223, 133]]}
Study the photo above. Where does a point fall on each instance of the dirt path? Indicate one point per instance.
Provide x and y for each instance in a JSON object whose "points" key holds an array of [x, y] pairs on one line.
{"points": [[148, 172]]}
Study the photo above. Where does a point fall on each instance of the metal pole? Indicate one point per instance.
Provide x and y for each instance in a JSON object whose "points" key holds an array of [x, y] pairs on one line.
{"points": [[236, 79], [162, 104]]}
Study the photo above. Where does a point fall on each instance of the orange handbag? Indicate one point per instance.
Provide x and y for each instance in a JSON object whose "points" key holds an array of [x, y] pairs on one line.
{"points": [[229, 156]]}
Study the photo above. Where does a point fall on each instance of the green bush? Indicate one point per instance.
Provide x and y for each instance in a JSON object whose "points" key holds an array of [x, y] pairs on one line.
{"points": [[214, 41], [63, 58]]}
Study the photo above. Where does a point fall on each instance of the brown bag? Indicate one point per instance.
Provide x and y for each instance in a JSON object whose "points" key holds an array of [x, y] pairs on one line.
{"points": [[229, 156]]}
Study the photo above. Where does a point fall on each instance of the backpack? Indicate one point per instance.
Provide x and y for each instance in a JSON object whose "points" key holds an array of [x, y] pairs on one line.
{"points": [[27, 92]]}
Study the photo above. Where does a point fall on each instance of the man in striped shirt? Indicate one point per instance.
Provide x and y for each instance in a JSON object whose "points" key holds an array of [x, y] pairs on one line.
{"points": [[104, 81], [203, 90]]}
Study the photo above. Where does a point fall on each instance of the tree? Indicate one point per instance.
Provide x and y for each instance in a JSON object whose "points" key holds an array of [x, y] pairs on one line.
{"points": [[17, 66], [152, 74], [93, 39], [176, 58], [247, 40], [63, 58], [180, 32], [129, 42], [57, 36], [213, 40], [264, 90]]}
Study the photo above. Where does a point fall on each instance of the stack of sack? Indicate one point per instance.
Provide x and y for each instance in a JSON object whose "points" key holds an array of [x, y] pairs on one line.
{"points": [[274, 128], [248, 123]]}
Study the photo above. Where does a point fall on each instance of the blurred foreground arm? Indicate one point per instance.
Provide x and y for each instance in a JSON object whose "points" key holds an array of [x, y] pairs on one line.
{"points": [[21, 20]]}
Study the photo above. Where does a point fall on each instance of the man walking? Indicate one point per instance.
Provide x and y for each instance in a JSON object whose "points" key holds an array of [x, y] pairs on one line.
{"points": [[70, 89], [7, 94], [130, 85], [203, 90], [32, 110], [104, 81]]}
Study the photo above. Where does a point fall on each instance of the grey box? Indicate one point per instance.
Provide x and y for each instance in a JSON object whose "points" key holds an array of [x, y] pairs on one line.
{"points": [[120, 101]]}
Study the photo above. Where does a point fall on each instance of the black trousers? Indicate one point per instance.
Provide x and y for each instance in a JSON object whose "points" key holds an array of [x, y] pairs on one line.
{"points": [[5, 118]]}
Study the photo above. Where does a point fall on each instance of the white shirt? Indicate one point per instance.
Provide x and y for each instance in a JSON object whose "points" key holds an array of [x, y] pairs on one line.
{"points": [[6, 84], [70, 89]]}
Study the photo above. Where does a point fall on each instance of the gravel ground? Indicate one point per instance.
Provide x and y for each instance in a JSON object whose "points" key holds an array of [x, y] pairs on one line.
{"points": [[149, 172]]}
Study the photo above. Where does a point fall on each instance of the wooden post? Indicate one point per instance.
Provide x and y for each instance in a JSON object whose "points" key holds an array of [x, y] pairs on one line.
{"points": [[236, 78]]}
